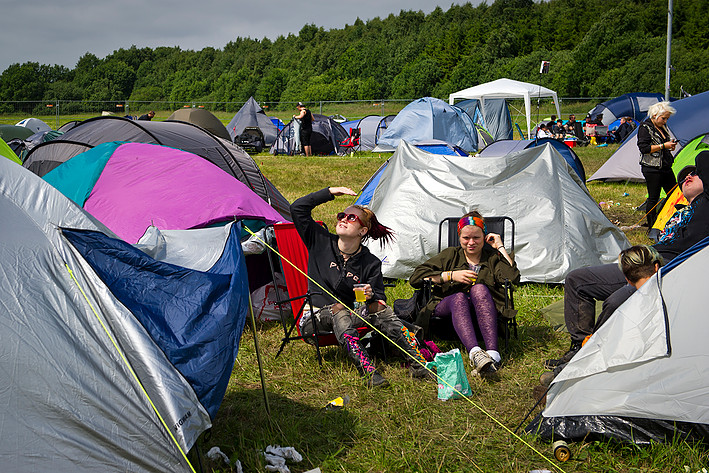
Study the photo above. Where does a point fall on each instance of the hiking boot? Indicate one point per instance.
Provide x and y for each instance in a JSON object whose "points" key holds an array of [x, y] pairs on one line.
{"points": [[421, 372], [553, 363], [481, 361], [376, 380], [548, 376]]}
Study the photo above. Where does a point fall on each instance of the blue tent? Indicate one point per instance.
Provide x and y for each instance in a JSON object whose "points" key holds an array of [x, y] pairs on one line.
{"points": [[633, 105], [496, 120], [429, 118], [505, 147]]}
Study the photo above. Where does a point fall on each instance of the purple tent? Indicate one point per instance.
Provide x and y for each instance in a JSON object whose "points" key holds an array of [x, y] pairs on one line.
{"points": [[130, 186]]}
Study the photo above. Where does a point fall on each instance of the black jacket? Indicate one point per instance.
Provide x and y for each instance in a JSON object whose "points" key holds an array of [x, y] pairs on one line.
{"points": [[325, 263]]}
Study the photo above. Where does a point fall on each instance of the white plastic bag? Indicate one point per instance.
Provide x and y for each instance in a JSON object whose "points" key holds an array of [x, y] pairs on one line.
{"points": [[264, 301]]}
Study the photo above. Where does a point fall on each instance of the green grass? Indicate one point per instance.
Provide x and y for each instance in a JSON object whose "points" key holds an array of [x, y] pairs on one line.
{"points": [[405, 428]]}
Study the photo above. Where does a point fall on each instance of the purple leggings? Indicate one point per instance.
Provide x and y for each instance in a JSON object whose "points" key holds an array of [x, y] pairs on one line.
{"points": [[462, 306]]}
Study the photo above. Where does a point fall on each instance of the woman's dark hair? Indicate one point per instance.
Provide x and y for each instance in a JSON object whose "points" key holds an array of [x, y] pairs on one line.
{"points": [[375, 230]]}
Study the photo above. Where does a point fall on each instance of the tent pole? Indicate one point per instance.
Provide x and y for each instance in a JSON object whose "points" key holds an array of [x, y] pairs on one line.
{"points": [[668, 62], [258, 358]]}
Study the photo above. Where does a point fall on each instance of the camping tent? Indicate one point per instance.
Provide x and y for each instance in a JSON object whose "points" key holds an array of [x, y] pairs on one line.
{"points": [[495, 119], [11, 132], [685, 125], [132, 186], [181, 135], [252, 115], [326, 139], [640, 377], [503, 147], [429, 118], [507, 89], [102, 372], [7, 152], [202, 118], [370, 128], [34, 124], [559, 227], [633, 105]]}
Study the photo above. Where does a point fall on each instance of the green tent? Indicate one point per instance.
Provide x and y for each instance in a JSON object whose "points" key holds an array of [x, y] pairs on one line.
{"points": [[6, 151], [10, 132]]}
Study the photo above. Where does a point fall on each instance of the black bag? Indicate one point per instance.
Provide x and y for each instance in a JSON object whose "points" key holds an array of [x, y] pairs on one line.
{"points": [[408, 309]]}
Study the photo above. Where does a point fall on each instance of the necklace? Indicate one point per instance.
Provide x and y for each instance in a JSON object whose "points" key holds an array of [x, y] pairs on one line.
{"points": [[350, 254]]}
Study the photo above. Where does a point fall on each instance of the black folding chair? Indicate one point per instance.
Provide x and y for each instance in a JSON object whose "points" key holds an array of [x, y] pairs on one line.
{"points": [[505, 227]]}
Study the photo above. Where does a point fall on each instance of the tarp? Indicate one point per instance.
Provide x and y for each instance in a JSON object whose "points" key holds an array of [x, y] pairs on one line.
{"points": [[202, 118], [252, 115], [181, 135], [507, 89], [688, 123], [429, 118], [640, 377], [90, 384], [559, 227], [131, 186]]}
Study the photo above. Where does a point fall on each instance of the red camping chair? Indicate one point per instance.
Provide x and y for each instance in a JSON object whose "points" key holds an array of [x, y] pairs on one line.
{"points": [[352, 142], [294, 259]]}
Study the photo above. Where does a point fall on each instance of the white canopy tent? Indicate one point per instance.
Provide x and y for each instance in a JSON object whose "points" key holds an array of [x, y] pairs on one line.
{"points": [[507, 89]]}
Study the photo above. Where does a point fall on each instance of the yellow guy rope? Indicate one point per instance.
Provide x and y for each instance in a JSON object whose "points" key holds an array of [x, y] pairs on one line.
{"points": [[440, 380], [130, 368]]}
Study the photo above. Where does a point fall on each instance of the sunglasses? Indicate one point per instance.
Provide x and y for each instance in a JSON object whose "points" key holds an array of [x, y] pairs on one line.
{"points": [[691, 174], [349, 217]]}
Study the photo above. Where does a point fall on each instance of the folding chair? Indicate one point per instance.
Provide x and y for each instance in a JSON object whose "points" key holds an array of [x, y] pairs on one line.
{"points": [[505, 227], [293, 260], [352, 142]]}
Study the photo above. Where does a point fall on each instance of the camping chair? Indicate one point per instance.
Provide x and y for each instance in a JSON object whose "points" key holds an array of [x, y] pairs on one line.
{"points": [[293, 260], [505, 227], [352, 142], [251, 139]]}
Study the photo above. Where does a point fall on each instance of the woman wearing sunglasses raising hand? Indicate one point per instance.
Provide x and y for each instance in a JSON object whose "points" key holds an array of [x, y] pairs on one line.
{"points": [[336, 263]]}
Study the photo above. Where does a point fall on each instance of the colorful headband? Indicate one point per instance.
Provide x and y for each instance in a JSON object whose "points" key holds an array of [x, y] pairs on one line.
{"points": [[477, 221]]}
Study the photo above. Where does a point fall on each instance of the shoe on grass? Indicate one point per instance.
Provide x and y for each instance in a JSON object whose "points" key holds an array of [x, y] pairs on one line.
{"points": [[419, 371], [481, 361], [553, 363], [376, 380]]}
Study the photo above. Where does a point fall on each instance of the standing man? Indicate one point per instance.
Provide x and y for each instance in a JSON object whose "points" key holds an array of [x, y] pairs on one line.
{"points": [[306, 127]]}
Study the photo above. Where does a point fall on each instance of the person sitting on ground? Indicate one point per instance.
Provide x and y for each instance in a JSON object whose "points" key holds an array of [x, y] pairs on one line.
{"points": [[468, 287], [638, 264], [624, 130], [336, 262], [147, 116], [559, 132], [576, 129], [584, 286], [543, 131]]}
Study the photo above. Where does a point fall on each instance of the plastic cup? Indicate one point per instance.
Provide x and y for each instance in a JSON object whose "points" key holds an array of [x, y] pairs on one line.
{"points": [[476, 269], [359, 292]]}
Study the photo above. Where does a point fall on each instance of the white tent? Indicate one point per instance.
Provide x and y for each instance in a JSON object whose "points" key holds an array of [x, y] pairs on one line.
{"points": [[559, 227], [642, 375], [507, 89]]}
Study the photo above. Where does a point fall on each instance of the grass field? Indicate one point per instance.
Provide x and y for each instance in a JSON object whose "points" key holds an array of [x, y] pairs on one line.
{"points": [[404, 427]]}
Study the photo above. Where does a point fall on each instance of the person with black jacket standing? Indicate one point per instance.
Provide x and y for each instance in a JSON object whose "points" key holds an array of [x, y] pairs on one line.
{"points": [[656, 146], [336, 263], [306, 127]]}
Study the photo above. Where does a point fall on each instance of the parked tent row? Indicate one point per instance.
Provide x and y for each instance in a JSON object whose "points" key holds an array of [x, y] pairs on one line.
{"points": [[688, 123], [176, 134], [559, 225]]}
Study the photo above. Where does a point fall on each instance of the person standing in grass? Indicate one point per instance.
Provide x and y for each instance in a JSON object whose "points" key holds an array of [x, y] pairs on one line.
{"points": [[306, 127], [469, 288], [336, 263]]}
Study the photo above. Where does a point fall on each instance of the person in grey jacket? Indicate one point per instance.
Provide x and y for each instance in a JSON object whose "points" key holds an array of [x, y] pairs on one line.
{"points": [[656, 146]]}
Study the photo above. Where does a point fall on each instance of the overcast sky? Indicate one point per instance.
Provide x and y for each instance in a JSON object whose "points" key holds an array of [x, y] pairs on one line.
{"points": [[61, 31]]}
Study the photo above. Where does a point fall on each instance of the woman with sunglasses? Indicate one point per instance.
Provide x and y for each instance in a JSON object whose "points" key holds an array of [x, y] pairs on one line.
{"points": [[468, 288], [336, 263]]}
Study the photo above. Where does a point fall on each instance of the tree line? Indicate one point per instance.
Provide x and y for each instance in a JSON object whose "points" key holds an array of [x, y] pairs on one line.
{"points": [[596, 49]]}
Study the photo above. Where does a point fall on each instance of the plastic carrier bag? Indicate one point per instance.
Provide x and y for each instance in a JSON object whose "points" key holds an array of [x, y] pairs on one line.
{"points": [[450, 368]]}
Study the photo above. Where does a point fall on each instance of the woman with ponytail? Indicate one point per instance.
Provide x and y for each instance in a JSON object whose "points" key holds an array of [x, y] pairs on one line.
{"points": [[468, 287], [336, 263]]}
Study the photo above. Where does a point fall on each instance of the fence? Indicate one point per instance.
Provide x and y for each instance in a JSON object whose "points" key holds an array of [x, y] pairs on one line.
{"points": [[58, 112]]}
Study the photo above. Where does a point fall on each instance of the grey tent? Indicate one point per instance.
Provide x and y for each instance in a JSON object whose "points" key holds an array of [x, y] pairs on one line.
{"points": [[202, 118], [559, 227], [251, 115], [181, 135], [371, 128], [495, 119], [642, 376], [326, 139], [85, 387]]}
